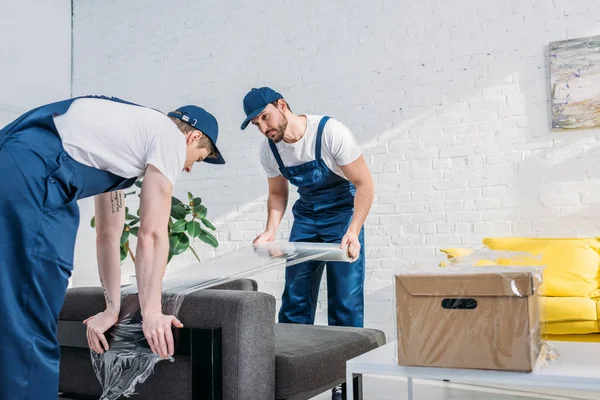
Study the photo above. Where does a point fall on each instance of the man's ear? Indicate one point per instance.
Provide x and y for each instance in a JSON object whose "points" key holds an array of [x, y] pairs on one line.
{"points": [[194, 136], [281, 104]]}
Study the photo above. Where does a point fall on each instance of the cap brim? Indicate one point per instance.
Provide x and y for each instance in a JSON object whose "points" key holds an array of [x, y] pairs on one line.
{"points": [[215, 160], [251, 116]]}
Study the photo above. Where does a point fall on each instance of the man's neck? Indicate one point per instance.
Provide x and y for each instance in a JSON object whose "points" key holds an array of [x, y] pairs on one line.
{"points": [[295, 129]]}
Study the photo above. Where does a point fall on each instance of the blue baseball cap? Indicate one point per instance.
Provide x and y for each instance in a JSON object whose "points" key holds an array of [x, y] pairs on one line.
{"points": [[255, 102], [204, 121]]}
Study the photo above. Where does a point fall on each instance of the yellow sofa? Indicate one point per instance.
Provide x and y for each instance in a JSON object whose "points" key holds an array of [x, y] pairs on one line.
{"points": [[571, 281]]}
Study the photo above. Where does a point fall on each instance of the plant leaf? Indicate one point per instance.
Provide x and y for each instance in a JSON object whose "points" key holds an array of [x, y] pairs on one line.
{"points": [[208, 238], [124, 237], [134, 231], [179, 226], [208, 224], [123, 253], [138, 183], [128, 193], [175, 200], [129, 216], [190, 196], [93, 222], [178, 211], [170, 256], [134, 221], [196, 201], [193, 228], [200, 210], [178, 243]]}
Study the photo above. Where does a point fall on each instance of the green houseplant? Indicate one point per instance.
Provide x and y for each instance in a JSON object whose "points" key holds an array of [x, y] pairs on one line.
{"points": [[187, 220]]}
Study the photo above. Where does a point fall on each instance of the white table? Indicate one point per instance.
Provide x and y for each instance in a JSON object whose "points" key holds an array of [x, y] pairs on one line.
{"points": [[578, 368]]}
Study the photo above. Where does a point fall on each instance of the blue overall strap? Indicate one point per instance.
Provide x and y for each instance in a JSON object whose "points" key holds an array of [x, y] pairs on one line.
{"points": [[277, 156], [319, 136]]}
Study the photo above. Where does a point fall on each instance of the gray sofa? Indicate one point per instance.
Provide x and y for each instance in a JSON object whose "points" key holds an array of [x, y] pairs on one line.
{"points": [[258, 358]]}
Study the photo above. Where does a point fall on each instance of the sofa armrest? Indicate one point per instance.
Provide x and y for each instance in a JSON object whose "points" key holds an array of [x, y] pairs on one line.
{"points": [[246, 319]]}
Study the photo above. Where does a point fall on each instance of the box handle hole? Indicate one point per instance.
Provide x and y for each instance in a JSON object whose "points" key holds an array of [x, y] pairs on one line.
{"points": [[459, 304]]}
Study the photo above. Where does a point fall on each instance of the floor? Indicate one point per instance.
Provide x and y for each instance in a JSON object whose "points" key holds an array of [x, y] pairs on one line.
{"points": [[381, 388]]}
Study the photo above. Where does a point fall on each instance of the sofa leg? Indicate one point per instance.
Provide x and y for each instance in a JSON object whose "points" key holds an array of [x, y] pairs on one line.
{"points": [[357, 388]]}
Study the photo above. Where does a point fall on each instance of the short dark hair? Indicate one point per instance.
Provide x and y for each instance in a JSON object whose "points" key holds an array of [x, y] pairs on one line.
{"points": [[286, 103]]}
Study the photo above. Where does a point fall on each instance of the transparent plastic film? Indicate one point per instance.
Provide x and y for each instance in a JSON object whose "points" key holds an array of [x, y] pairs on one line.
{"points": [[479, 310], [130, 361]]}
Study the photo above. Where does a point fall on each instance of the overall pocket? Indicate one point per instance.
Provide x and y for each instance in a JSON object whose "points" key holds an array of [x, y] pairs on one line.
{"points": [[60, 187]]}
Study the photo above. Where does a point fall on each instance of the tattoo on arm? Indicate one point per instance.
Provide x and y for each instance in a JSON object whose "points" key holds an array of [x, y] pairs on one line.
{"points": [[116, 200]]}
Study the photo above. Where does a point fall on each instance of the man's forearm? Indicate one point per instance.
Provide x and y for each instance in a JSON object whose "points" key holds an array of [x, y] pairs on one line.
{"points": [[150, 264], [276, 205], [109, 269], [110, 216], [362, 204]]}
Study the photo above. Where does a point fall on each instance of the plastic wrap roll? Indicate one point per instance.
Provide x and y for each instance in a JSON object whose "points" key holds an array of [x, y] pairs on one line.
{"points": [[129, 360], [295, 252]]}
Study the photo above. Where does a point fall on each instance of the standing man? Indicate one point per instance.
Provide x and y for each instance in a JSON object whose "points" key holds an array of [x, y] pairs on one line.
{"points": [[319, 156], [49, 158]]}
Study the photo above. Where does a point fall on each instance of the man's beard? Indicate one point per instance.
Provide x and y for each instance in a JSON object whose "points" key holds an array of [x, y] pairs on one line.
{"points": [[280, 130]]}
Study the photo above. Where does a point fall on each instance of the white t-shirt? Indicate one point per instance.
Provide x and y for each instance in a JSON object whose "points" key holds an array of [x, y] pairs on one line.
{"points": [[122, 138], [338, 148]]}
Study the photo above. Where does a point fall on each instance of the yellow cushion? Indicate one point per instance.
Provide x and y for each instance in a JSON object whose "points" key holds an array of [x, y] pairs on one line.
{"points": [[593, 337], [455, 252], [571, 263], [568, 309], [569, 315], [570, 328]]}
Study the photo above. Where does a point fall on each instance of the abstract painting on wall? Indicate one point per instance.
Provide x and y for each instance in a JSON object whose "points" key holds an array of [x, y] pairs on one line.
{"points": [[575, 83]]}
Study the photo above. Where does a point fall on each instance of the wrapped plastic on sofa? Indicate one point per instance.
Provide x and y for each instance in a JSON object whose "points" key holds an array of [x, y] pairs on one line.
{"points": [[129, 360], [465, 313]]}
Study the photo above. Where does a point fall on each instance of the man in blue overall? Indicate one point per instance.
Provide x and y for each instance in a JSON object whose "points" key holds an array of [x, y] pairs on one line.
{"points": [[319, 156], [49, 158]]}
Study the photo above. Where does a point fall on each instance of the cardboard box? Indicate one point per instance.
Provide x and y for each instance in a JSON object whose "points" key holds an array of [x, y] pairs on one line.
{"points": [[461, 320]]}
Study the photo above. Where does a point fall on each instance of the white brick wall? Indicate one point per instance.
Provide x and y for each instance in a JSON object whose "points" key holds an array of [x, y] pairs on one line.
{"points": [[449, 101], [35, 54]]}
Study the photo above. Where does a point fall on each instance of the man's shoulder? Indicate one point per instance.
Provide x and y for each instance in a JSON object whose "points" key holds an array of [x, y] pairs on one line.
{"points": [[265, 148], [333, 124], [335, 127]]}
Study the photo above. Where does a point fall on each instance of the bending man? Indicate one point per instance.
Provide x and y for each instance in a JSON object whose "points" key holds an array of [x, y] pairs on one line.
{"points": [[49, 158], [319, 156]]}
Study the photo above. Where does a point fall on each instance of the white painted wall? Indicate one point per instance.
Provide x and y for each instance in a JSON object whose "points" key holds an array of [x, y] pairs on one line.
{"points": [[35, 54], [449, 101]]}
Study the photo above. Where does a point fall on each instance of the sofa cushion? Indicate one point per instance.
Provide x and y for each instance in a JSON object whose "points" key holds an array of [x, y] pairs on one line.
{"points": [[456, 253], [570, 328], [307, 357], [570, 315], [568, 309], [571, 264]]}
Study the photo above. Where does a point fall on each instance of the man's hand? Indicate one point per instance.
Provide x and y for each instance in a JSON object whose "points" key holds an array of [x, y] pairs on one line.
{"points": [[350, 239], [96, 326], [266, 236], [157, 330]]}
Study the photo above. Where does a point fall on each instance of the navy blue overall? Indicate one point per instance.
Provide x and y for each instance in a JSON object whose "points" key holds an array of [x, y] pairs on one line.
{"points": [[39, 218], [322, 214]]}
